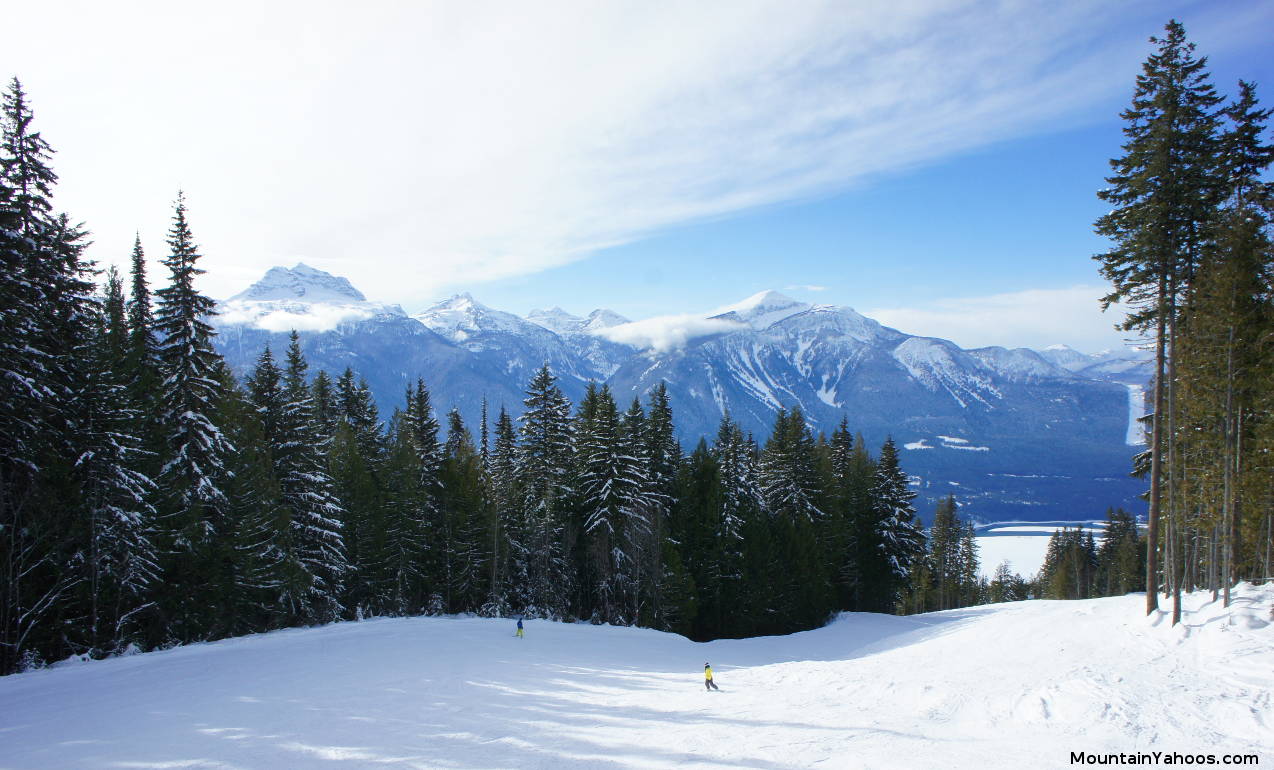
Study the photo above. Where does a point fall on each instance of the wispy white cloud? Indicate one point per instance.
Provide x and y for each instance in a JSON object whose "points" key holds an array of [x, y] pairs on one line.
{"points": [[805, 287], [669, 332], [1032, 318], [312, 318], [414, 146]]}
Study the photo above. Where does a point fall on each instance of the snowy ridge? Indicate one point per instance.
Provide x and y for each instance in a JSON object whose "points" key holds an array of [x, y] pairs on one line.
{"points": [[940, 364], [561, 322], [519, 346], [1019, 364], [1035, 681], [761, 310], [302, 298], [301, 283], [461, 316], [1130, 366]]}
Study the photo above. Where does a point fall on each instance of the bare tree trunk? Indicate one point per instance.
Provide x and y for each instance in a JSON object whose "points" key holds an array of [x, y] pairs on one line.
{"points": [[1269, 546], [1174, 471], [1156, 461], [1228, 457], [1213, 578]]}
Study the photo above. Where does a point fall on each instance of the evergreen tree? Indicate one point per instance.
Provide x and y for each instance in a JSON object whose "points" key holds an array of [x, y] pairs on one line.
{"points": [[243, 592], [898, 537], [510, 557], [194, 463], [545, 455], [265, 388], [412, 509], [705, 607], [1224, 354], [789, 482], [29, 178], [141, 370], [840, 531], [1164, 191], [944, 554], [1120, 557], [315, 563], [44, 324], [610, 480], [356, 463], [121, 563], [1070, 563], [466, 542], [1007, 586], [737, 563], [972, 585], [662, 583], [326, 413], [799, 587]]}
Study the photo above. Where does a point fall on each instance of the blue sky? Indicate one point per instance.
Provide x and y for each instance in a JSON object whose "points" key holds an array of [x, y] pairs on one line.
{"points": [[932, 164]]}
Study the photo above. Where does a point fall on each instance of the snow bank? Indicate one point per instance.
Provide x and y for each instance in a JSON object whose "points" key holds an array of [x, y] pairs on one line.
{"points": [[1012, 686]]}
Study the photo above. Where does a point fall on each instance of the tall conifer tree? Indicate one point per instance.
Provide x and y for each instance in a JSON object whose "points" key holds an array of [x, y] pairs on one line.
{"points": [[1164, 190], [193, 470]]}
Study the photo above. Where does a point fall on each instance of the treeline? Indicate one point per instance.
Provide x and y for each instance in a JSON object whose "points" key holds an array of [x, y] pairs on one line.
{"points": [[1190, 226], [149, 498], [947, 576], [1076, 567]]}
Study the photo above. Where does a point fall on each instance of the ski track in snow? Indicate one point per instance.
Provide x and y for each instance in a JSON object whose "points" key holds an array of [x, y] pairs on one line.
{"points": [[1012, 686]]}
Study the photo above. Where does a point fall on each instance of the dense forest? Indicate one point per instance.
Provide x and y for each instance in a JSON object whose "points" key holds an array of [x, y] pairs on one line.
{"points": [[1190, 228], [150, 498]]}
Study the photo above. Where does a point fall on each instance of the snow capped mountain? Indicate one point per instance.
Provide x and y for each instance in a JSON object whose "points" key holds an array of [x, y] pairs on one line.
{"points": [[303, 298], [761, 309], [1022, 410], [559, 321], [462, 319], [556, 320], [301, 283], [1066, 357], [602, 319], [521, 346], [1128, 366], [1019, 363]]}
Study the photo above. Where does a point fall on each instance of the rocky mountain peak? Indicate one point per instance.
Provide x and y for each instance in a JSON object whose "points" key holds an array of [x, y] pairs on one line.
{"points": [[302, 283]]}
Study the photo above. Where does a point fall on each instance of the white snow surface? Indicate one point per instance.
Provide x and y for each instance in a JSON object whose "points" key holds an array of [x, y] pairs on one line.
{"points": [[1024, 553], [1025, 548], [1000, 686]]}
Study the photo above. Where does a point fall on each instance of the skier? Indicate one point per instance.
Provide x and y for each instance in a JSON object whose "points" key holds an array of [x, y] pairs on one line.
{"points": [[519, 633], [707, 678]]}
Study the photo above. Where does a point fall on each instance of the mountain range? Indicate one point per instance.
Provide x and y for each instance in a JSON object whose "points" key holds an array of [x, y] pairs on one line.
{"points": [[1013, 433]]}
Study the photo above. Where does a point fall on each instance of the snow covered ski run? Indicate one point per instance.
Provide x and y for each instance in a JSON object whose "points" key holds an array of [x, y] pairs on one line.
{"points": [[1013, 685]]}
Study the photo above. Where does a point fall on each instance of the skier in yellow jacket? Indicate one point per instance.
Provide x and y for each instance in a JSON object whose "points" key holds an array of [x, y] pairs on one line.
{"points": [[707, 678]]}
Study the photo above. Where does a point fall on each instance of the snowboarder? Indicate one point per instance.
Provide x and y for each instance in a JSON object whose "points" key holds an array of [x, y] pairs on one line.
{"points": [[519, 632], [707, 678]]}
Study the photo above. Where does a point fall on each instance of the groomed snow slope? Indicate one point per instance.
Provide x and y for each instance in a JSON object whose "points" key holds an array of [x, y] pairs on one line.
{"points": [[1012, 686]]}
